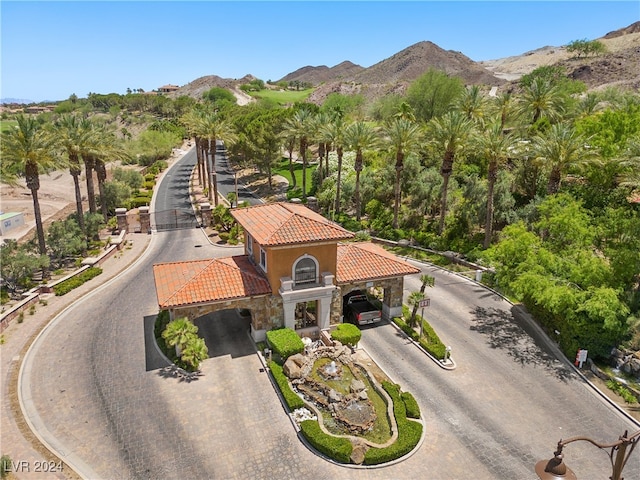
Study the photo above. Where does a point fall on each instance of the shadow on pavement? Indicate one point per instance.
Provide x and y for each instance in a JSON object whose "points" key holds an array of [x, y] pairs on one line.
{"points": [[153, 358], [505, 332], [225, 333]]}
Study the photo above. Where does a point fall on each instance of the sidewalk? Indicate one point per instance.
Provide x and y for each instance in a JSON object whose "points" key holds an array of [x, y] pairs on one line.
{"points": [[16, 439]]}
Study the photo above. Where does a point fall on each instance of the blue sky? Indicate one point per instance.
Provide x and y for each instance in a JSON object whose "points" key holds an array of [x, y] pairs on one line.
{"points": [[51, 50]]}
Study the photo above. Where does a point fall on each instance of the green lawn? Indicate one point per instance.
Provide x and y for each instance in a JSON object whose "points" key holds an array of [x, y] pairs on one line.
{"points": [[283, 169], [283, 97], [5, 125]]}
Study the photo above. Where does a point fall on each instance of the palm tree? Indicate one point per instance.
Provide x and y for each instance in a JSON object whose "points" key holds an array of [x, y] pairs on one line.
{"points": [[320, 121], [68, 132], [289, 143], [414, 301], [426, 281], [359, 136], [178, 333], [450, 133], [110, 148], [541, 98], [503, 106], [630, 163], [494, 146], [472, 104], [190, 121], [333, 133], [301, 126], [89, 153], [403, 137], [213, 128], [28, 151], [195, 351], [561, 148]]}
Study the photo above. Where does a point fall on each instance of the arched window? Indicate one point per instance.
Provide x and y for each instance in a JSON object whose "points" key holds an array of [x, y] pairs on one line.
{"points": [[305, 270]]}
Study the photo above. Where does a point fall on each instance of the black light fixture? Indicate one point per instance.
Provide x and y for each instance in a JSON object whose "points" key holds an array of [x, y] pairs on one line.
{"points": [[555, 469]]}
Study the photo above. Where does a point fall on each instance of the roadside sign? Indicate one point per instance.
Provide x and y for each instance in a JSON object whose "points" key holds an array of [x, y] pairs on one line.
{"points": [[424, 303]]}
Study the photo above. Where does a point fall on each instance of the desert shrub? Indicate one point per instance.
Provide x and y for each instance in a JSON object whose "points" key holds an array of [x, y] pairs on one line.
{"points": [[621, 390], [141, 201], [347, 334], [337, 448], [285, 342], [157, 167], [132, 178], [149, 185], [292, 400], [65, 287], [410, 404], [409, 432]]}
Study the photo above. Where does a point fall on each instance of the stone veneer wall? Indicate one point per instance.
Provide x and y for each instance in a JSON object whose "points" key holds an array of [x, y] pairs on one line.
{"points": [[266, 311], [392, 302]]}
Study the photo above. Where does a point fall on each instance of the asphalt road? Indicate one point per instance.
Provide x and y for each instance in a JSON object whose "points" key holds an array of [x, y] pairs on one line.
{"points": [[504, 407]]}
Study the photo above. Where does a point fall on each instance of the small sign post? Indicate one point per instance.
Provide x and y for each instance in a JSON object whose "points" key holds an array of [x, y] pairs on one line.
{"points": [[423, 303], [581, 357]]}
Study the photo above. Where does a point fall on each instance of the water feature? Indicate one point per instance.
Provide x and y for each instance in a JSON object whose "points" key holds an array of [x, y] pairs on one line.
{"points": [[346, 400]]}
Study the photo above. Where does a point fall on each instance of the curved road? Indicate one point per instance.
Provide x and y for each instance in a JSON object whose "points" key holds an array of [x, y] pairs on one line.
{"points": [[100, 399]]}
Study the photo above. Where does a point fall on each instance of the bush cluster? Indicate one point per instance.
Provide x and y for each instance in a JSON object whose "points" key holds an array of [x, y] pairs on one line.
{"points": [[290, 397], [410, 404], [285, 342], [337, 448], [74, 282], [621, 390], [347, 334], [409, 432]]}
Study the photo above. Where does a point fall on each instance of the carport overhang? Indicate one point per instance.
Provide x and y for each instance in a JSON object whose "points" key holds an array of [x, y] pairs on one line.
{"points": [[195, 288], [362, 265]]}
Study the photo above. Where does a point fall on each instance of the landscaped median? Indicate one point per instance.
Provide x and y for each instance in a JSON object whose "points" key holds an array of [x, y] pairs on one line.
{"points": [[428, 341], [322, 389]]}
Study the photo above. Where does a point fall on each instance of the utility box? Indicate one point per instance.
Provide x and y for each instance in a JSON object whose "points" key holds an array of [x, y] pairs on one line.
{"points": [[9, 221]]}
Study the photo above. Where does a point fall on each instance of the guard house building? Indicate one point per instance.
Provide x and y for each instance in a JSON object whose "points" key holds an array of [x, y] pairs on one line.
{"points": [[296, 268]]}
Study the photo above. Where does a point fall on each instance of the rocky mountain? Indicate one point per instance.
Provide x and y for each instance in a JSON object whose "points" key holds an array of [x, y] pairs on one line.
{"points": [[619, 66], [405, 66], [316, 75]]}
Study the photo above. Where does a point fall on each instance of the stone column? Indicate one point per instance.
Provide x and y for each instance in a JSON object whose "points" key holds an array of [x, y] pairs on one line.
{"points": [[121, 216], [205, 213], [312, 204], [145, 220]]}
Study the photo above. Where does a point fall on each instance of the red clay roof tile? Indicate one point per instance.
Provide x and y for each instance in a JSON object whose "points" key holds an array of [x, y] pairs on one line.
{"points": [[200, 281], [361, 261], [287, 223]]}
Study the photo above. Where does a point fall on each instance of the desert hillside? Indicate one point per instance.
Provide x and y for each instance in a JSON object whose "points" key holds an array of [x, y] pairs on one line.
{"points": [[619, 66]]}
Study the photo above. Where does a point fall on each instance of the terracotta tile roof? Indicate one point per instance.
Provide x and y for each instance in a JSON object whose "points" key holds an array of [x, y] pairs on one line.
{"points": [[365, 261], [199, 281], [287, 223]]}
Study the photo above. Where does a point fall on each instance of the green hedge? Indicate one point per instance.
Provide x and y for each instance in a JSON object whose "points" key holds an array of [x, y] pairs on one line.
{"points": [[430, 341], [337, 448], [409, 432], [137, 202], [347, 334], [410, 404], [65, 287], [290, 397], [406, 328], [285, 342]]}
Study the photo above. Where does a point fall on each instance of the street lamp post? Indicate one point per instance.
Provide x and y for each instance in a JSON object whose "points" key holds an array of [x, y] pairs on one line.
{"points": [[555, 469]]}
